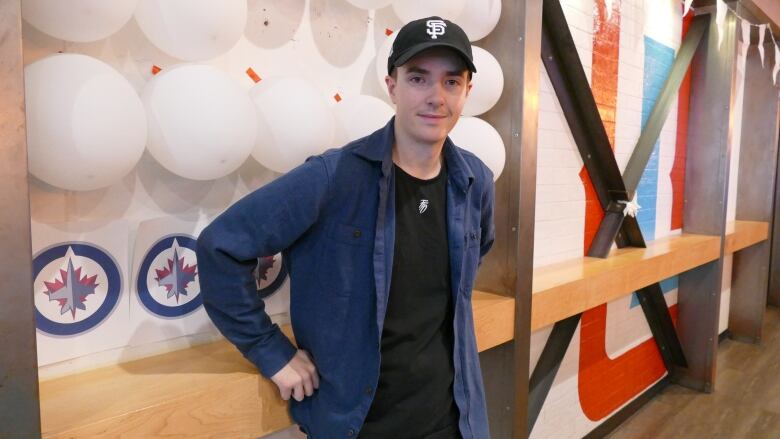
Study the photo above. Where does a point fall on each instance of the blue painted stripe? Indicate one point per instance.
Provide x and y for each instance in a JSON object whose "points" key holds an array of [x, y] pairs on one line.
{"points": [[657, 65]]}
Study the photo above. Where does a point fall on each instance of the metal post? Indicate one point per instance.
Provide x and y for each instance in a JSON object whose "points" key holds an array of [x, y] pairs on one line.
{"points": [[755, 194], [706, 187], [508, 268], [19, 404]]}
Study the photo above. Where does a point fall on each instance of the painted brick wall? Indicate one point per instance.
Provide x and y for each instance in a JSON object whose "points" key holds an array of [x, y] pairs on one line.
{"points": [[612, 358]]}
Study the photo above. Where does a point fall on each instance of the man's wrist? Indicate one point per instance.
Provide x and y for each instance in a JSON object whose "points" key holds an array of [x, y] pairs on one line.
{"points": [[273, 355]]}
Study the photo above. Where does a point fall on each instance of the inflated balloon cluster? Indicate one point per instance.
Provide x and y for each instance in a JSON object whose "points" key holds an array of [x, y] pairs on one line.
{"points": [[88, 128]]}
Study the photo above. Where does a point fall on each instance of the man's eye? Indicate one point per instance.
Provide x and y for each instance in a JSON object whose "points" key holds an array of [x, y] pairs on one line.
{"points": [[416, 79]]}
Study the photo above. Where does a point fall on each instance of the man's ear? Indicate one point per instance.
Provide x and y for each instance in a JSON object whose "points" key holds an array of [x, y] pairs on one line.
{"points": [[390, 82], [468, 89]]}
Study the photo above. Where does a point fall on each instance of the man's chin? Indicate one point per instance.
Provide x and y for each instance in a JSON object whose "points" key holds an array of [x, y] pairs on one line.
{"points": [[432, 135]]}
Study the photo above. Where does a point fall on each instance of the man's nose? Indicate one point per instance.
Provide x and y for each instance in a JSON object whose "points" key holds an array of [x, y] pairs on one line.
{"points": [[436, 95]]}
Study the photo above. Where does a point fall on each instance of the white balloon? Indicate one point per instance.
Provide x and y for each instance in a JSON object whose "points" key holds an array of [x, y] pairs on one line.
{"points": [[78, 20], [202, 126], [361, 115], [487, 83], [408, 10], [192, 30], [480, 138], [294, 122], [370, 4], [479, 18], [381, 60], [86, 126]]}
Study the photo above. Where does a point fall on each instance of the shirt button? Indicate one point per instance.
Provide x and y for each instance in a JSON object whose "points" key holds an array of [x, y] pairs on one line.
{"points": [[369, 390], [351, 432]]}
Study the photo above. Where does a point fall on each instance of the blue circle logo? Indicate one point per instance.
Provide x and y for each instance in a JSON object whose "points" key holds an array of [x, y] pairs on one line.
{"points": [[76, 286], [167, 279], [270, 273]]}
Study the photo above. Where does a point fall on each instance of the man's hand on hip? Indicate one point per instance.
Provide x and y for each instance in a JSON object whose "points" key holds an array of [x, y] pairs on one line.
{"points": [[297, 378]]}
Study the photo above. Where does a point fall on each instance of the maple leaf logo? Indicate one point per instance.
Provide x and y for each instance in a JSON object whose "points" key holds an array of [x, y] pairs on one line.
{"points": [[263, 265], [71, 290], [176, 276]]}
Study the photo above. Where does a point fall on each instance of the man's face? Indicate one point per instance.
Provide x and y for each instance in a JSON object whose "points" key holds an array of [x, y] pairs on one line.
{"points": [[429, 92]]}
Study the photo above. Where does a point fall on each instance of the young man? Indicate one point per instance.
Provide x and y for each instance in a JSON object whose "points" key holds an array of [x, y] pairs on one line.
{"points": [[382, 238]]}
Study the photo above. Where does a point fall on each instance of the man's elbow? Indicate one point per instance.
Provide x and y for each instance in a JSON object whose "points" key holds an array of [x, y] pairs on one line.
{"points": [[206, 243]]}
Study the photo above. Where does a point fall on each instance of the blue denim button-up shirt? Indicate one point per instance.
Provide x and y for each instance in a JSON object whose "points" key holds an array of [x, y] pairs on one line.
{"points": [[333, 218]]}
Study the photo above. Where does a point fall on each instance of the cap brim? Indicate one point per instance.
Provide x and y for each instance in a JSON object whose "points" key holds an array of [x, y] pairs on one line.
{"points": [[406, 56]]}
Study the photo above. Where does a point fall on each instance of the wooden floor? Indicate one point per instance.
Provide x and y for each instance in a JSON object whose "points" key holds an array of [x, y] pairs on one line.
{"points": [[745, 404]]}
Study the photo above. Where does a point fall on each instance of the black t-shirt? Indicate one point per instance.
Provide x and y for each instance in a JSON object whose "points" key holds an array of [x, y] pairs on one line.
{"points": [[414, 396]]}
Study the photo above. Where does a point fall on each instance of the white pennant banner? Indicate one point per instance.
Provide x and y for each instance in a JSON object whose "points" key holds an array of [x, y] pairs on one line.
{"points": [[745, 37], [761, 32], [687, 7], [720, 19], [777, 66]]}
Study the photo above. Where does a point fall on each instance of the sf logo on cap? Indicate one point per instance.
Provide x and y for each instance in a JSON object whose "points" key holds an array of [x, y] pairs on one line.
{"points": [[436, 28]]}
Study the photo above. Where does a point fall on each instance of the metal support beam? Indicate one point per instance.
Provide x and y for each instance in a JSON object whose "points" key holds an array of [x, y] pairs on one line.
{"points": [[668, 96], [547, 367], [755, 194], [508, 268], [564, 67], [657, 314], [19, 404], [773, 295], [706, 188]]}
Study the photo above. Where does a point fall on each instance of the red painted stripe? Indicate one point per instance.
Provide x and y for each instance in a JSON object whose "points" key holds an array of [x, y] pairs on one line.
{"points": [[677, 175], [606, 384]]}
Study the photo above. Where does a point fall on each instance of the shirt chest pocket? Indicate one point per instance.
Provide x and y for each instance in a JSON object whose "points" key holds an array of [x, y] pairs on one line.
{"points": [[350, 235], [346, 259]]}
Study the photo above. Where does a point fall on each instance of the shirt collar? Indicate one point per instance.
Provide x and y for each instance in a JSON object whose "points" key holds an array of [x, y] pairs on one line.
{"points": [[378, 147]]}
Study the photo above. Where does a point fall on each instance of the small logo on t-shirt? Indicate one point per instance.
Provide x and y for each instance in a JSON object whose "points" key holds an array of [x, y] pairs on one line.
{"points": [[423, 205]]}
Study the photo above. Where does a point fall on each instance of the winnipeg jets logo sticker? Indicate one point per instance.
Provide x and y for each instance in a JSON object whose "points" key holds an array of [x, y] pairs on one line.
{"points": [[76, 286], [436, 28], [167, 279], [423, 206], [270, 273]]}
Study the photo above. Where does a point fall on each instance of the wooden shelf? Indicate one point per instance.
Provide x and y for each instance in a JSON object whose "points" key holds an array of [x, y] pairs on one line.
{"points": [[571, 287], [211, 390], [745, 234], [564, 289], [204, 391]]}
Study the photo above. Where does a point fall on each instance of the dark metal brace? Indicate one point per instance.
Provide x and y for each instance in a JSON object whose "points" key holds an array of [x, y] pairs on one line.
{"points": [[652, 129], [547, 367], [658, 318], [564, 68]]}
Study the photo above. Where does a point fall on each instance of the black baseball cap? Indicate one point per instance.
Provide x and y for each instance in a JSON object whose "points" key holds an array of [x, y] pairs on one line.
{"points": [[426, 33]]}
